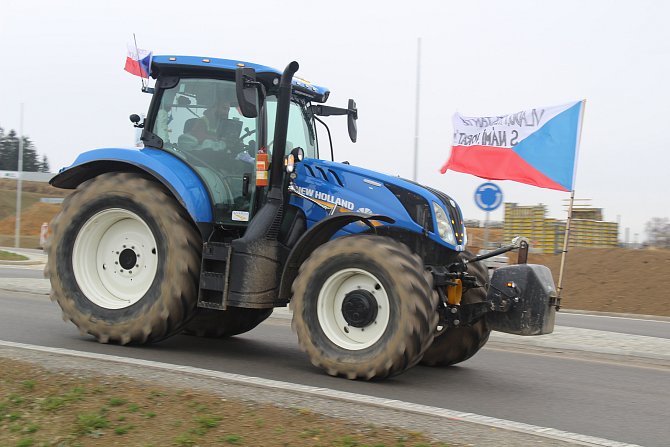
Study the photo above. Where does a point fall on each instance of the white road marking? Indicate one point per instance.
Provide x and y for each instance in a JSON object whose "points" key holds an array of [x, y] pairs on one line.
{"points": [[642, 320], [392, 404]]}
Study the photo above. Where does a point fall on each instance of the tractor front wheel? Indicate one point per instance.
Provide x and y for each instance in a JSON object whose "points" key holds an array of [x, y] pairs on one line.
{"points": [[124, 260], [364, 307]]}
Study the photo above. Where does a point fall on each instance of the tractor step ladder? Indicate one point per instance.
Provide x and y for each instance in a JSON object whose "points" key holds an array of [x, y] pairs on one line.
{"points": [[213, 286]]}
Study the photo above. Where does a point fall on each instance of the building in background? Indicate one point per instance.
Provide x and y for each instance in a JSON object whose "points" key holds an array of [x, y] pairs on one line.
{"points": [[546, 234]]}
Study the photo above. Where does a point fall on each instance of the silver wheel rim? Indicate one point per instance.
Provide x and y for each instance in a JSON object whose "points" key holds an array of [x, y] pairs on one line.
{"points": [[329, 309], [115, 258]]}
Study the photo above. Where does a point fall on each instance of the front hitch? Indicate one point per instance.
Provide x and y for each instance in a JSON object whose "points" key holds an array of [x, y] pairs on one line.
{"points": [[521, 298]]}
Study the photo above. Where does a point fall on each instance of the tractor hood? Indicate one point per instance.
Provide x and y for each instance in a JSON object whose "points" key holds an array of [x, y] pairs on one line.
{"points": [[324, 187]]}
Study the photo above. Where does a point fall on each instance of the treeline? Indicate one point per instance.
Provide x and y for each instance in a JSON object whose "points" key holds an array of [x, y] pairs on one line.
{"points": [[9, 154]]}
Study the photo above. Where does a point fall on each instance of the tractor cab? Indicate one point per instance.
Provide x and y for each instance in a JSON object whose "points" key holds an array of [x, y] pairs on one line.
{"points": [[196, 115]]}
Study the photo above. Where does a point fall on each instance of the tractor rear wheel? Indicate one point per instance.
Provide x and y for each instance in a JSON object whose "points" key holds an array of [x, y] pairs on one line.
{"points": [[225, 323], [124, 260], [364, 307], [458, 344]]}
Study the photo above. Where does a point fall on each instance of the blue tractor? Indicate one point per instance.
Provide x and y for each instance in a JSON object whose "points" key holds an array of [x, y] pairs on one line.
{"points": [[229, 211]]}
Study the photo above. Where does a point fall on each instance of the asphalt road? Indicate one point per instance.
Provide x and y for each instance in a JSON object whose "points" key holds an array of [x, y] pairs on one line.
{"points": [[21, 272], [621, 402], [623, 325]]}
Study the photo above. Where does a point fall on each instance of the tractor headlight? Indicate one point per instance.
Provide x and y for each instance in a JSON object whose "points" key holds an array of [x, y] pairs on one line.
{"points": [[444, 228]]}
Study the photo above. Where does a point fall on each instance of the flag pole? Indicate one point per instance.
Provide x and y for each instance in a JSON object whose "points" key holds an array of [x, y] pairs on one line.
{"points": [[566, 239], [416, 112], [137, 55]]}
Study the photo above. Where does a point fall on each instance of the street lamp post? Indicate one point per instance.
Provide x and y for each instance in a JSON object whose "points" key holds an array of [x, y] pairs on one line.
{"points": [[19, 185]]}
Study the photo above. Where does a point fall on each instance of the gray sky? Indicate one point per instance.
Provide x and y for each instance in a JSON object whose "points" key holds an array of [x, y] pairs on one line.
{"points": [[64, 61]]}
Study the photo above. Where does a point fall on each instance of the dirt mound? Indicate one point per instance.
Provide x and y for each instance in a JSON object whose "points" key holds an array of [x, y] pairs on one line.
{"points": [[613, 279], [603, 279], [42, 188], [32, 219]]}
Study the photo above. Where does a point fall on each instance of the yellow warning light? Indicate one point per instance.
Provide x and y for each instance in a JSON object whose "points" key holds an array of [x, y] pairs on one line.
{"points": [[173, 59], [207, 61], [510, 284], [239, 64]]}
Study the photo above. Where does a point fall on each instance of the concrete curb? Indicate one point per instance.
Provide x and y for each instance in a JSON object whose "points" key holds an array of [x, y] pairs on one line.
{"points": [[35, 257], [26, 262]]}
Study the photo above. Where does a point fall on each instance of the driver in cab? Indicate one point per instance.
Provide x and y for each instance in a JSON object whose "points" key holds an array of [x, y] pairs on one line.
{"points": [[215, 131]]}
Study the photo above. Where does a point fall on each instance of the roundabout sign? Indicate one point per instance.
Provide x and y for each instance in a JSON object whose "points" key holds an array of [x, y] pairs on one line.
{"points": [[488, 196]]}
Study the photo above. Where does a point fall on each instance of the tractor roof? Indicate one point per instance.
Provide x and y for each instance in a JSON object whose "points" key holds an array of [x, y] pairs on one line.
{"points": [[313, 92]]}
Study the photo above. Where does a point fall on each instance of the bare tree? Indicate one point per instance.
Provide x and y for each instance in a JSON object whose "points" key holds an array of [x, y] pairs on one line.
{"points": [[658, 232]]}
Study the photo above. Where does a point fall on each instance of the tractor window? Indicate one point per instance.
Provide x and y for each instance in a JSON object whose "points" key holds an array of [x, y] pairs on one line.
{"points": [[300, 128], [199, 122]]}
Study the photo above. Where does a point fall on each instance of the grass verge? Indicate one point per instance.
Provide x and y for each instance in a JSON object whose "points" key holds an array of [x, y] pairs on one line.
{"points": [[42, 408], [9, 256]]}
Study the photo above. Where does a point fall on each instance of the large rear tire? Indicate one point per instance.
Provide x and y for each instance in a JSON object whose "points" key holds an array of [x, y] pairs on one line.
{"points": [[124, 260], [364, 307], [225, 323], [458, 344]]}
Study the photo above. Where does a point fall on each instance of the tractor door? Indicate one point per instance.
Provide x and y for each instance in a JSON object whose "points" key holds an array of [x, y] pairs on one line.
{"points": [[199, 122]]}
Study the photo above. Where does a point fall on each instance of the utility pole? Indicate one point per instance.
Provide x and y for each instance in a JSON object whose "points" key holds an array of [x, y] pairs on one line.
{"points": [[19, 184], [416, 112]]}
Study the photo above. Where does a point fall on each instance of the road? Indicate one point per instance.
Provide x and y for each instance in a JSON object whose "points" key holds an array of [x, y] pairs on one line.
{"points": [[28, 271], [621, 402], [623, 325]]}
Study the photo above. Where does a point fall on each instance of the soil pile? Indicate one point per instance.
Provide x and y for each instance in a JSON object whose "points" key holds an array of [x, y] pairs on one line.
{"points": [[32, 219]]}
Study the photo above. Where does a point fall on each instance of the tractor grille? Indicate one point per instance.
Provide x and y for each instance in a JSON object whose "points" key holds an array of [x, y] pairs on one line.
{"points": [[416, 206], [454, 213]]}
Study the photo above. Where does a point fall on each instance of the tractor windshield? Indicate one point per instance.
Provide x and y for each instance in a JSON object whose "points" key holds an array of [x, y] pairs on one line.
{"points": [[300, 129], [198, 121]]}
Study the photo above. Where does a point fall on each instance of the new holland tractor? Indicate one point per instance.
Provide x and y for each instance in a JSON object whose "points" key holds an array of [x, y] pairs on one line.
{"points": [[229, 210]]}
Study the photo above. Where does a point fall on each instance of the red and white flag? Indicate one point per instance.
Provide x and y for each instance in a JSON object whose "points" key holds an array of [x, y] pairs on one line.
{"points": [[138, 62], [537, 147]]}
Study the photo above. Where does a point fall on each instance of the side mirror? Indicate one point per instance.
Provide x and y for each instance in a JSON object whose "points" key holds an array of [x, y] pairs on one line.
{"points": [[135, 119], [352, 116], [247, 95]]}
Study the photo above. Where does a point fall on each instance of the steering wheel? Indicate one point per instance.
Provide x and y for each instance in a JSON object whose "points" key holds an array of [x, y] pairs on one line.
{"points": [[247, 133]]}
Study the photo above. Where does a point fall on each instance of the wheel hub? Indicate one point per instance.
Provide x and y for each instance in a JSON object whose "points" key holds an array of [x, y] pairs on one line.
{"points": [[127, 259], [359, 308]]}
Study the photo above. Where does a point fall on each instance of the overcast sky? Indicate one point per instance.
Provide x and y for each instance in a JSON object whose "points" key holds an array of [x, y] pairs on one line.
{"points": [[64, 61]]}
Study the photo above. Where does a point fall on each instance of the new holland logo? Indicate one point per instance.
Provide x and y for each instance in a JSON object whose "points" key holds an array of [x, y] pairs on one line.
{"points": [[324, 198]]}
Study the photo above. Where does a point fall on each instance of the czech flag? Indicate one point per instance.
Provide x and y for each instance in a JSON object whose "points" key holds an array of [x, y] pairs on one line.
{"points": [[537, 147], [138, 62]]}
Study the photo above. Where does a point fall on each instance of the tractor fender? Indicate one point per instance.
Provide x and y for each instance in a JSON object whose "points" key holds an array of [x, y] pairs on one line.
{"points": [[182, 181], [318, 235]]}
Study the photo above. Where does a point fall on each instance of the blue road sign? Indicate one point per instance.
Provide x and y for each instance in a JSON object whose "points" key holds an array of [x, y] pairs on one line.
{"points": [[488, 196]]}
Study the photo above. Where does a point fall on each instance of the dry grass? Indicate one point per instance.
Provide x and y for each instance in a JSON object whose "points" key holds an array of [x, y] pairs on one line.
{"points": [[42, 408]]}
